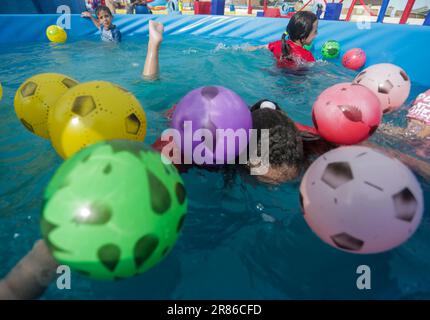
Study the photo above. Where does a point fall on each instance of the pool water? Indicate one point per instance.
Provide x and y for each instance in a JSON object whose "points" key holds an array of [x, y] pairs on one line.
{"points": [[244, 241]]}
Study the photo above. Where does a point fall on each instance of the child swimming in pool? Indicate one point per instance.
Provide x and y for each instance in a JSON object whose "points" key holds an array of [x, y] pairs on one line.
{"points": [[287, 146], [418, 119], [290, 53], [417, 131], [292, 146], [108, 31], [419, 124], [286, 152]]}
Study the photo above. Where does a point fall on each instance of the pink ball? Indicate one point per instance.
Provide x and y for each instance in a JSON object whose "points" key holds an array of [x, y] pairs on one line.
{"points": [[390, 83], [346, 113], [354, 59], [361, 201]]}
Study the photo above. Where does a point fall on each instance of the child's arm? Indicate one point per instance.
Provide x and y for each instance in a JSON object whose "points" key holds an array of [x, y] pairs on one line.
{"points": [[419, 166], [254, 48], [152, 69], [415, 128], [31, 276], [87, 14], [390, 130]]}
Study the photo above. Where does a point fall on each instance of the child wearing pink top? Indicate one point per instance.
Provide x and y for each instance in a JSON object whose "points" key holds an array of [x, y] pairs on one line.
{"points": [[418, 120], [419, 116], [417, 131]]}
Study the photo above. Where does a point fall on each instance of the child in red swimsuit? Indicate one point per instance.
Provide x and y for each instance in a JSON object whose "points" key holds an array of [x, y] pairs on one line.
{"points": [[301, 31]]}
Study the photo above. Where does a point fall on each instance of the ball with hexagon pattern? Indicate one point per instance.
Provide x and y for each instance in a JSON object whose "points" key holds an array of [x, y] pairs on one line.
{"points": [[389, 82], [113, 210], [361, 201], [36, 97], [92, 112]]}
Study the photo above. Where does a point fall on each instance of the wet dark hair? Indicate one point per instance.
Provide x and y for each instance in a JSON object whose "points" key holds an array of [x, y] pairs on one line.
{"points": [[299, 28], [285, 142], [103, 8]]}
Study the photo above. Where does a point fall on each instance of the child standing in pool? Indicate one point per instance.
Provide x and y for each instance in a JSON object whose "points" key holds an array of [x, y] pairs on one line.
{"points": [[289, 51], [108, 31]]}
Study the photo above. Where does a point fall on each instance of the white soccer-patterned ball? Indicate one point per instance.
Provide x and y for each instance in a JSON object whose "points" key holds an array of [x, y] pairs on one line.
{"points": [[389, 82], [359, 200]]}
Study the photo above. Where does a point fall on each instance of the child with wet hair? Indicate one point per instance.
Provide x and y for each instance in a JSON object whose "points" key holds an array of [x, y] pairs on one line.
{"points": [[289, 51], [108, 31], [286, 155]]}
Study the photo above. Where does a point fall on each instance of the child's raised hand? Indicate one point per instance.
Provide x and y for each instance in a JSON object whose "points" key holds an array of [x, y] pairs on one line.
{"points": [[86, 14]]}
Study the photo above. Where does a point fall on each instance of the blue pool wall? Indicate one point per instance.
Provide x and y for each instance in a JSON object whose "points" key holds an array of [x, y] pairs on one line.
{"points": [[405, 45]]}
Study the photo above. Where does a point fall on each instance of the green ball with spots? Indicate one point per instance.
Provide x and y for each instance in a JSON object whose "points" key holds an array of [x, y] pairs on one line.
{"points": [[331, 49], [113, 210]]}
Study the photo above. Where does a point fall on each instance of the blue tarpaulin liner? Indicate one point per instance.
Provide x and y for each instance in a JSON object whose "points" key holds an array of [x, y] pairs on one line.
{"points": [[404, 45]]}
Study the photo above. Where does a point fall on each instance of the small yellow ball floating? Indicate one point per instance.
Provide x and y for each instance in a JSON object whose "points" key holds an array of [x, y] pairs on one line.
{"points": [[1, 92], [92, 112], [36, 96], [56, 34]]}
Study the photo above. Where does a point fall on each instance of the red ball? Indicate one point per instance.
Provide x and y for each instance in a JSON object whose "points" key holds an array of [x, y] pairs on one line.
{"points": [[346, 113], [354, 59]]}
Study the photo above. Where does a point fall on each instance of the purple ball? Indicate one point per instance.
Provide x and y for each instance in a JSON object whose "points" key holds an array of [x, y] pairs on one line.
{"points": [[212, 108]]}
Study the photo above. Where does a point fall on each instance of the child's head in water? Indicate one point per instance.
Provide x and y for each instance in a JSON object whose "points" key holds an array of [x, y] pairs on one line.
{"points": [[302, 30], [285, 143], [105, 17]]}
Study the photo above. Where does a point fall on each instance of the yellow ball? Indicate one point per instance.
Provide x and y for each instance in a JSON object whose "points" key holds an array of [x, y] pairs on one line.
{"points": [[1, 92], [56, 34], [36, 96], [92, 112]]}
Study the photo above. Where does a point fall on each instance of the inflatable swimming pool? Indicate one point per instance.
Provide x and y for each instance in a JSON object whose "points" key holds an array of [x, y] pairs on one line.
{"points": [[403, 45], [245, 240]]}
